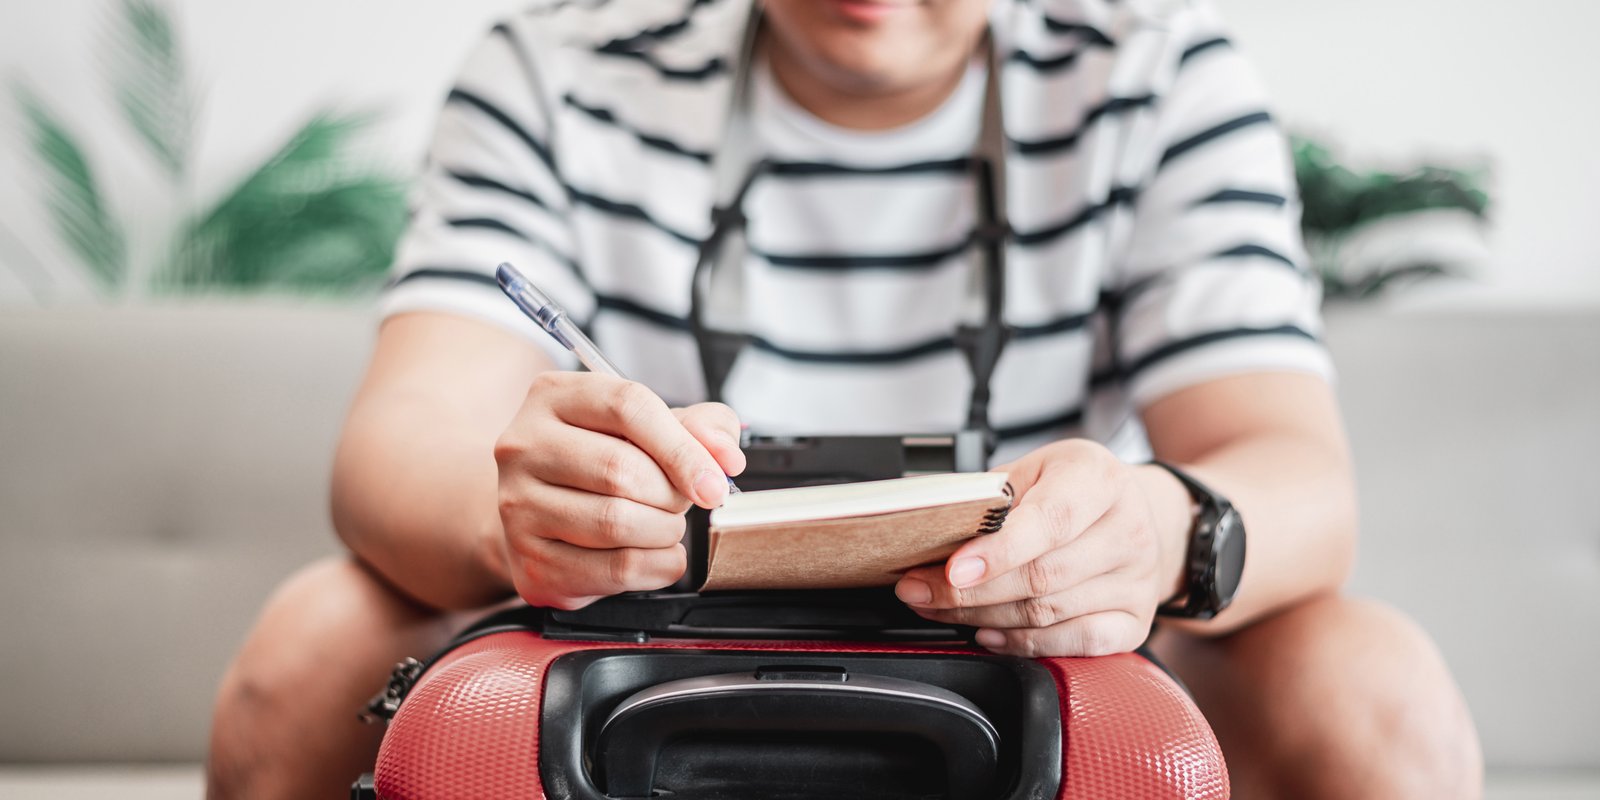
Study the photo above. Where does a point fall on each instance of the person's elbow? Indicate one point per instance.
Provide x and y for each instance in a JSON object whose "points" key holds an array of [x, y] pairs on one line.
{"points": [[348, 507], [427, 582], [373, 528]]}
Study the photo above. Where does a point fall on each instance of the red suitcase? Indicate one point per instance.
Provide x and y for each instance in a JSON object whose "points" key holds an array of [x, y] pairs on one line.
{"points": [[841, 694], [507, 712]]}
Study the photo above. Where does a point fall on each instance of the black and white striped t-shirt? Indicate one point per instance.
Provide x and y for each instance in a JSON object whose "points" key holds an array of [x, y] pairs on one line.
{"points": [[1154, 241]]}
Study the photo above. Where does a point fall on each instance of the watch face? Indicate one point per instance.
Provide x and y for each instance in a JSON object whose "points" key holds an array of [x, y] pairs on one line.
{"points": [[1230, 556]]}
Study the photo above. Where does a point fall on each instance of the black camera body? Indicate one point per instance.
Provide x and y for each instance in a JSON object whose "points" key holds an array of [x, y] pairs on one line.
{"points": [[778, 462]]}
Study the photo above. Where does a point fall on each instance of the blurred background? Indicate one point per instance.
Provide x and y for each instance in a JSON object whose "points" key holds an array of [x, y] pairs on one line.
{"points": [[197, 202]]}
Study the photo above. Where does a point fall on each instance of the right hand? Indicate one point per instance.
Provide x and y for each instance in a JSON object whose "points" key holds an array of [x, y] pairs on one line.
{"points": [[596, 473]]}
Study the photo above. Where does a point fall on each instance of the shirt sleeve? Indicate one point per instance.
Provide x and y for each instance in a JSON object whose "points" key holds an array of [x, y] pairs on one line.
{"points": [[490, 192], [1214, 280]]}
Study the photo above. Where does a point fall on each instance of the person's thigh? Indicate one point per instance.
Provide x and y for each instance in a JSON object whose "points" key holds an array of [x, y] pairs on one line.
{"points": [[285, 723], [1336, 698]]}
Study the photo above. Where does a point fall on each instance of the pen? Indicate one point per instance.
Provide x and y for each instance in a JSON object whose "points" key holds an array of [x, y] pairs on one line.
{"points": [[554, 320]]}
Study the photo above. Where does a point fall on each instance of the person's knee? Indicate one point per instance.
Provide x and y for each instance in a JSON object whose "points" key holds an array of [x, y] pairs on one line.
{"points": [[324, 639], [1378, 712], [316, 612]]}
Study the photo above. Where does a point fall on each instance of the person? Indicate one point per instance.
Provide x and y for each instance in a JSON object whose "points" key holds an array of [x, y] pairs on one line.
{"points": [[1157, 291]]}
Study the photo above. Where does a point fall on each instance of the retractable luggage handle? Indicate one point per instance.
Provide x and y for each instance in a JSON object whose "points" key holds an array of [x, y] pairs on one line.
{"points": [[796, 699]]}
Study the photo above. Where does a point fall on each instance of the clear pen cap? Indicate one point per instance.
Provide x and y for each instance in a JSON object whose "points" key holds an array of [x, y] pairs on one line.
{"points": [[553, 319]]}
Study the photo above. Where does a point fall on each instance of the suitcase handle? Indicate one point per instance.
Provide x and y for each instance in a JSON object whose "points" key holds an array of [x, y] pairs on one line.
{"points": [[790, 699]]}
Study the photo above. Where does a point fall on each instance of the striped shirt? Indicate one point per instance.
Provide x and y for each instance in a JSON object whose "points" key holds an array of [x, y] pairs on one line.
{"points": [[1153, 237]]}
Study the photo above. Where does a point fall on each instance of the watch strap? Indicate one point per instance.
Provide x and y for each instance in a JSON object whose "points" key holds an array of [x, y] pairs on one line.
{"points": [[1198, 599]]}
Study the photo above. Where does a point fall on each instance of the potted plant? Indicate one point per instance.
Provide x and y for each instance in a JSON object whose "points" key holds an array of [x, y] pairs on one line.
{"points": [[1369, 231], [307, 219]]}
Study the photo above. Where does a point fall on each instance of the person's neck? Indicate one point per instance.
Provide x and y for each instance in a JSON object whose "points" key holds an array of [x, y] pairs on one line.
{"points": [[858, 110]]}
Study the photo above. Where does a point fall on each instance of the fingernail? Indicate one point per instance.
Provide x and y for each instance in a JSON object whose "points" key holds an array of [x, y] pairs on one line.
{"points": [[710, 486], [966, 571], [990, 638], [913, 592]]}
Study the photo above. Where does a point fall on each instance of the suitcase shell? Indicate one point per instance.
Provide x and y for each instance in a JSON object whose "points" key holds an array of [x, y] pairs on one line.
{"points": [[470, 726]]}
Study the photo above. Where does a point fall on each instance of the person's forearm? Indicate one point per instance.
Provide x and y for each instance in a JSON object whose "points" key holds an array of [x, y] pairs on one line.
{"points": [[1296, 496], [415, 496]]}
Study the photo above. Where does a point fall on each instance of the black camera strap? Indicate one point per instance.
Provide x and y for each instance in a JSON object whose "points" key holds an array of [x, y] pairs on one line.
{"points": [[983, 343], [717, 302], [717, 288]]}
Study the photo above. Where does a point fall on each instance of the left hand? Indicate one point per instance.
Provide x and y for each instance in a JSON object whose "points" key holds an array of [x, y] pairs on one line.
{"points": [[1077, 570]]}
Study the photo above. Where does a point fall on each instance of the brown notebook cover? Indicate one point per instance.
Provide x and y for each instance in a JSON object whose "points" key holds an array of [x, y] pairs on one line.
{"points": [[821, 552]]}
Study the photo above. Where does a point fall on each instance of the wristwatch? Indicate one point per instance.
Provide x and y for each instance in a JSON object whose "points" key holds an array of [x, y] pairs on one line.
{"points": [[1216, 553]]}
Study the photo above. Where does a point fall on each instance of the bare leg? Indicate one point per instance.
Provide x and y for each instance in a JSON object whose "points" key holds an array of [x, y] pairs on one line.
{"points": [[1334, 698], [285, 722]]}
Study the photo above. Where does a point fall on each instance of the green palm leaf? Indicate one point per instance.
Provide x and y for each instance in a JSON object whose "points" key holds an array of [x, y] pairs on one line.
{"points": [[303, 220], [79, 212], [147, 74], [1336, 199]]}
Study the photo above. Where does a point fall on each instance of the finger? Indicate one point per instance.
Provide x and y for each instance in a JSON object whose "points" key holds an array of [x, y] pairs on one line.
{"points": [[717, 427], [1101, 634], [1104, 593], [631, 411], [557, 572], [595, 521], [1094, 553], [1075, 483], [605, 465]]}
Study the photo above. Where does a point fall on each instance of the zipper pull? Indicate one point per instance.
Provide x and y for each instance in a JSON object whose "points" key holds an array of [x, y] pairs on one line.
{"points": [[385, 703]]}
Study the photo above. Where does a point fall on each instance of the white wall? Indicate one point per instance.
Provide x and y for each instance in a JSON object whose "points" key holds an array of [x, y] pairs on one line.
{"points": [[1389, 78], [1474, 79]]}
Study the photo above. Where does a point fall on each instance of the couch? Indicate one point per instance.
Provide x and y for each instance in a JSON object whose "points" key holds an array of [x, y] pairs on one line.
{"points": [[163, 467]]}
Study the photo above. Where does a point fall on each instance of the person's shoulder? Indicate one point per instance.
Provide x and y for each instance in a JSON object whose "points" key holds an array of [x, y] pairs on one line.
{"points": [[675, 40], [1107, 20]]}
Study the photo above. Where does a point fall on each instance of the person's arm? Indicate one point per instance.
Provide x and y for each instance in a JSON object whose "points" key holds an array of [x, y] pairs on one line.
{"points": [[469, 469], [414, 482], [1274, 445]]}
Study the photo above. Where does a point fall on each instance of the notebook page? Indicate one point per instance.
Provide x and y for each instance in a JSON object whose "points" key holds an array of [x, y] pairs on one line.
{"points": [[856, 499]]}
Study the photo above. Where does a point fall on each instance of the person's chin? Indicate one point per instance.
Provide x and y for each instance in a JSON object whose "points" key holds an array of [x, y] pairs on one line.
{"points": [[864, 73], [868, 57]]}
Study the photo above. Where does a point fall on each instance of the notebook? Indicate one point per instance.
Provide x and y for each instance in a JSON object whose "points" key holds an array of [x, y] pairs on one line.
{"points": [[849, 535]]}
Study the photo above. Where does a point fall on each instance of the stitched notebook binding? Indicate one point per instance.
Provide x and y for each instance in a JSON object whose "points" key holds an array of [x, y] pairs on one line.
{"points": [[997, 516]]}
